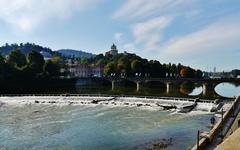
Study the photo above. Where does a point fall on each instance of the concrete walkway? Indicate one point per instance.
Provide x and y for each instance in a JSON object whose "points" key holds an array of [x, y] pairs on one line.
{"points": [[231, 143], [234, 127]]}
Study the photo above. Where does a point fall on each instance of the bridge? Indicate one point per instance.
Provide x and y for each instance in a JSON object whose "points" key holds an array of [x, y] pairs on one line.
{"points": [[208, 85]]}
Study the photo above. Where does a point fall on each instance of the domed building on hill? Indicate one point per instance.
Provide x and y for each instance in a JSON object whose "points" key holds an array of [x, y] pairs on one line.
{"points": [[113, 51]]}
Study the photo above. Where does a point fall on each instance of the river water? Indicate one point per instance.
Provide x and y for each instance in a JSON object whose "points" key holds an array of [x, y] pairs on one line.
{"points": [[34, 127]]}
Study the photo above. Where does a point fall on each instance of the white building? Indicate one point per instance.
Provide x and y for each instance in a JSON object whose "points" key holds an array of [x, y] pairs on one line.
{"points": [[86, 70]]}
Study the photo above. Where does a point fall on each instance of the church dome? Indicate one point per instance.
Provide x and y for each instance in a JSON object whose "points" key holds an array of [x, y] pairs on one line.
{"points": [[113, 47]]}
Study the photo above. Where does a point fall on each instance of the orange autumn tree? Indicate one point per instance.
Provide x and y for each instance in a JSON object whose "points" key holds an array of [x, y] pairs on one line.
{"points": [[187, 72]]}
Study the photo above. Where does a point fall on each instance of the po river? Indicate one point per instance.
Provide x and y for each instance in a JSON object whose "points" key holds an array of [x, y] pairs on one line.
{"points": [[98, 127], [37, 126]]}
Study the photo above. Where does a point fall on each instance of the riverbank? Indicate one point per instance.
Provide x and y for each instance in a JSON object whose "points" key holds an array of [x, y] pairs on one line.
{"points": [[221, 128]]}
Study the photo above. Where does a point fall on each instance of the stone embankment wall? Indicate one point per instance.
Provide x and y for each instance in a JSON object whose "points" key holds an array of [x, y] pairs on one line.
{"points": [[209, 138]]}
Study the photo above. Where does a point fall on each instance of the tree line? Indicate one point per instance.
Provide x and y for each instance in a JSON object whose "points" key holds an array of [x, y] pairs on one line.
{"points": [[131, 65], [32, 65]]}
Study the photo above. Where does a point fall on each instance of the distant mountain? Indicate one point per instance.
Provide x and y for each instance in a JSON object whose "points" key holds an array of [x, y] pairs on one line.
{"points": [[75, 53], [46, 52], [26, 48]]}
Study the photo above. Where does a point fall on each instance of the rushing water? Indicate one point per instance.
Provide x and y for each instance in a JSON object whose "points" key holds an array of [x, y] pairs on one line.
{"points": [[228, 89], [37, 127]]}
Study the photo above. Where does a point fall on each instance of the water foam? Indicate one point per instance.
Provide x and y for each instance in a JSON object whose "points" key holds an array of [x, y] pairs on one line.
{"points": [[143, 103]]}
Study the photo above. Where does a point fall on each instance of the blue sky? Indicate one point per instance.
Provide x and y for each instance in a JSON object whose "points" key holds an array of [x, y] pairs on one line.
{"points": [[199, 33]]}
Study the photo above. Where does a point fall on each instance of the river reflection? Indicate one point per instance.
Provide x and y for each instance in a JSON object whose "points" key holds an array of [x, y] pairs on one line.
{"points": [[186, 89], [191, 89], [228, 89], [196, 91]]}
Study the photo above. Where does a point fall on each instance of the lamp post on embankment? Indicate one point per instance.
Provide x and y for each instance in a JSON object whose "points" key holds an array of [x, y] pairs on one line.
{"points": [[113, 80], [199, 138], [138, 76]]}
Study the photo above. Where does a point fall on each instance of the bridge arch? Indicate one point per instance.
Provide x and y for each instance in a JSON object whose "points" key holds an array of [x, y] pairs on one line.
{"points": [[92, 81], [233, 89], [187, 87], [120, 82]]}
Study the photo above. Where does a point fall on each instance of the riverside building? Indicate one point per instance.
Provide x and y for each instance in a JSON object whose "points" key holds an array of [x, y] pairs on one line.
{"points": [[86, 70]]}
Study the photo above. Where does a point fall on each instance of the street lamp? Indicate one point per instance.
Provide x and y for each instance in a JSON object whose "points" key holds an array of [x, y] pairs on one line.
{"points": [[112, 74], [137, 75]]}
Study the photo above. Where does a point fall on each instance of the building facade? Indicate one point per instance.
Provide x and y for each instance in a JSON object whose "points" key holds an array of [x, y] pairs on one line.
{"points": [[85, 70]]}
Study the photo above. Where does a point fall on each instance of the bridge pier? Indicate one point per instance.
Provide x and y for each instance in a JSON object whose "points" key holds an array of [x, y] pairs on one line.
{"points": [[172, 84], [138, 86], [170, 87], [113, 85], [204, 89], [208, 89]]}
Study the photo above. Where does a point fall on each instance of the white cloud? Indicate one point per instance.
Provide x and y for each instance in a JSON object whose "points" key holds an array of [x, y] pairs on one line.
{"points": [[199, 30], [149, 33], [221, 35], [145, 8], [26, 15], [215, 44]]}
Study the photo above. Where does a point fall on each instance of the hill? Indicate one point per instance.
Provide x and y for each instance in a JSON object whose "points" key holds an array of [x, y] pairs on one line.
{"points": [[75, 53], [26, 48], [45, 51]]}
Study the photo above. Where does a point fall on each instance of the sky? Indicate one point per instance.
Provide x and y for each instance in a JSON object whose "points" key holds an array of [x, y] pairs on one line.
{"points": [[200, 33]]}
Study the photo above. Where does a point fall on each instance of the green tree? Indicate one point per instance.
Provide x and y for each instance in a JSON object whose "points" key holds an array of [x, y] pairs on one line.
{"points": [[16, 59], [109, 68], [123, 66], [100, 62], [2, 60], [155, 69], [179, 68], [2, 66], [51, 68], [35, 62], [174, 70], [198, 74], [83, 60], [235, 72], [137, 66]]}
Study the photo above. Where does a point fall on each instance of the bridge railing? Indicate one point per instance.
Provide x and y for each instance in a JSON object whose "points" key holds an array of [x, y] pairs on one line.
{"points": [[172, 78]]}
